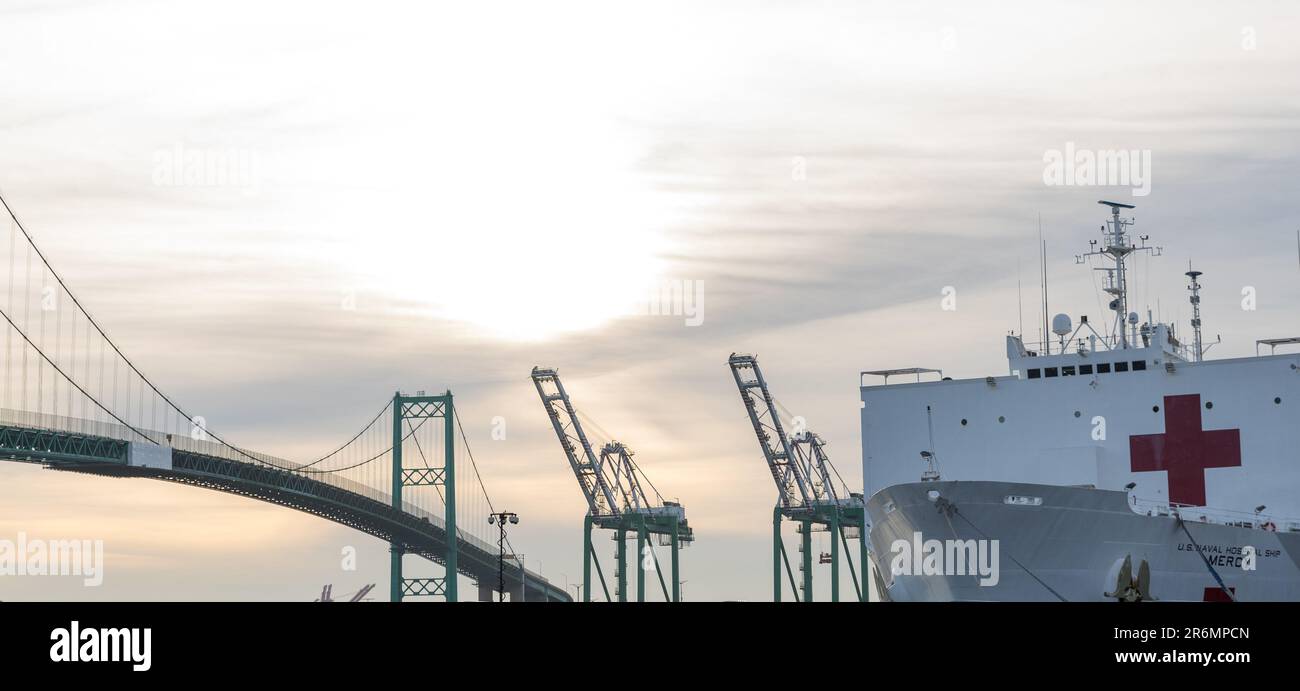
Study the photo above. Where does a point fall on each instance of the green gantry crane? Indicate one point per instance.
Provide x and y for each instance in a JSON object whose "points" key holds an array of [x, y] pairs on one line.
{"points": [[806, 489], [612, 485]]}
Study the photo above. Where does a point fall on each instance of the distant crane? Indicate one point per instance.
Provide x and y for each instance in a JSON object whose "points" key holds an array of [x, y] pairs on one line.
{"points": [[611, 482], [806, 488], [327, 593]]}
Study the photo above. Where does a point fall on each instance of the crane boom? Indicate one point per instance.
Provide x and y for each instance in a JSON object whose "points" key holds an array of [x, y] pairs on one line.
{"points": [[587, 467], [799, 464], [790, 470], [361, 594], [616, 456], [823, 484]]}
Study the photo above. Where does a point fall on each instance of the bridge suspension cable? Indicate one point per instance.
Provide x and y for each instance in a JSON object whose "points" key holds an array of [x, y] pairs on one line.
{"points": [[31, 243], [49, 303], [69, 377], [46, 358], [83, 381]]}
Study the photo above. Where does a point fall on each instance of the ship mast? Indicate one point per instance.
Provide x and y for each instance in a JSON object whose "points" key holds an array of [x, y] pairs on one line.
{"points": [[1117, 246], [1195, 288]]}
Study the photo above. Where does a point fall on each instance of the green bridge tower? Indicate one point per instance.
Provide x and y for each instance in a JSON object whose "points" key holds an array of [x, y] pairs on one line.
{"points": [[422, 407]]}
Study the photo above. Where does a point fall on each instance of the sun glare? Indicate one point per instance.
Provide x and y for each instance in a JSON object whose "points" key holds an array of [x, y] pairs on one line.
{"points": [[565, 237], [509, 197]]}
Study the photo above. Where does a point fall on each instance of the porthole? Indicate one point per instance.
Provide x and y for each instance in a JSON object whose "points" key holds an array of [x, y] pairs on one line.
{"points": [[1155, 408], [1277, 400], [1002, 418], [1209, 404], [963, 422], [1078, 414]]}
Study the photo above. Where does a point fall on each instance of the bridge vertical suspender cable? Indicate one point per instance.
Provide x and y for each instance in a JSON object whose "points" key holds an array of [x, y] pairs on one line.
{"points": [[9, 307], [27, 287], [131, 405]]}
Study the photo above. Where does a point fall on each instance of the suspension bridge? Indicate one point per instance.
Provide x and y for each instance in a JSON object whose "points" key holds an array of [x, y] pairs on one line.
{"points": [[74, 402]]}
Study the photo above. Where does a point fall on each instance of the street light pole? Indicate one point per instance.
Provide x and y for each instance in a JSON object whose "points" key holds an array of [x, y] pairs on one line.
{"points": [[500, 518]]}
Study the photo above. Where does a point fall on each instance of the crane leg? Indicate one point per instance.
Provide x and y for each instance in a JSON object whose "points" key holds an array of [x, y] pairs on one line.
{"points": [[586, 559], [865, 594], [640, 562], [857, 585], [835, 556], [600, 573], [659, 571], [794, 582], [677, 582], [806, 560], [777, 553], [621, 551]]}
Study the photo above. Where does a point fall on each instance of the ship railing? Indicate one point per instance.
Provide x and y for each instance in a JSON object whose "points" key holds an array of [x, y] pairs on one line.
{"points": [[1082, 344], [917, 372], [1074, 345], [1217, 516]]}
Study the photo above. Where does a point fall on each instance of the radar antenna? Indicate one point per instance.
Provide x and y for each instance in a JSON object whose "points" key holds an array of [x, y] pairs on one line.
{"points": [[1195, 288], [1117, 246]]}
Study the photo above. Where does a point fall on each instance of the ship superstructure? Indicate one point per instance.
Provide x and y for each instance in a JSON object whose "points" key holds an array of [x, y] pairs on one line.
{"points": [[1129, 408]]}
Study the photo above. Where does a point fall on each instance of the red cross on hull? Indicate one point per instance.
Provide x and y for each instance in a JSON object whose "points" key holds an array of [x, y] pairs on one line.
{"points": [[1185, 450]]}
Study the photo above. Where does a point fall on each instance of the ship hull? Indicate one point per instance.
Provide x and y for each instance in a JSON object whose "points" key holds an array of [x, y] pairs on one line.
{"points": [[1053, 543]]}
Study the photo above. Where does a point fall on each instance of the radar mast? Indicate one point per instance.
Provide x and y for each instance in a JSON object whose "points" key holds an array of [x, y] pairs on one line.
{"points": [[1117, 246], [1195, 289]]}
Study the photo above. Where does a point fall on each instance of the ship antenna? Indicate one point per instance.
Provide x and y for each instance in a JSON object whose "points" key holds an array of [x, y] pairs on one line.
{"points": [[1020, 297], [1195, 287], [1042, 270], [1117, 246]]}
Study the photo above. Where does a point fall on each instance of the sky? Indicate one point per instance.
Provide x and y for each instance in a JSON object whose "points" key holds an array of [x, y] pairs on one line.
{"points": [[284, 212]]}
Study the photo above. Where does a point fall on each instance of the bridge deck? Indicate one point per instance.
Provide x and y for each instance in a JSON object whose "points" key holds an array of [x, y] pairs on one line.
{"points": [[418, 531]]}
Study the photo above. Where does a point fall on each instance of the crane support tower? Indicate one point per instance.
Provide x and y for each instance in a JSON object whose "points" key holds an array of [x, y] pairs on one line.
{"points": [[612, 484], [807, 491]]}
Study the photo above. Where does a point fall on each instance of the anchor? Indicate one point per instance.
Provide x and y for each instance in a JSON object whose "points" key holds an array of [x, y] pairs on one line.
{"points": [[1130, 589]]}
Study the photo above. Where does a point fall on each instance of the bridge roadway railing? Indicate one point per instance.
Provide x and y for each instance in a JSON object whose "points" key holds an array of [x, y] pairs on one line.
{"points": [[206, 463]]}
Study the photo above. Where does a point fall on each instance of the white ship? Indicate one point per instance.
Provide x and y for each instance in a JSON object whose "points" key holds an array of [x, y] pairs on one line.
{"points": [[1106, 465]]}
